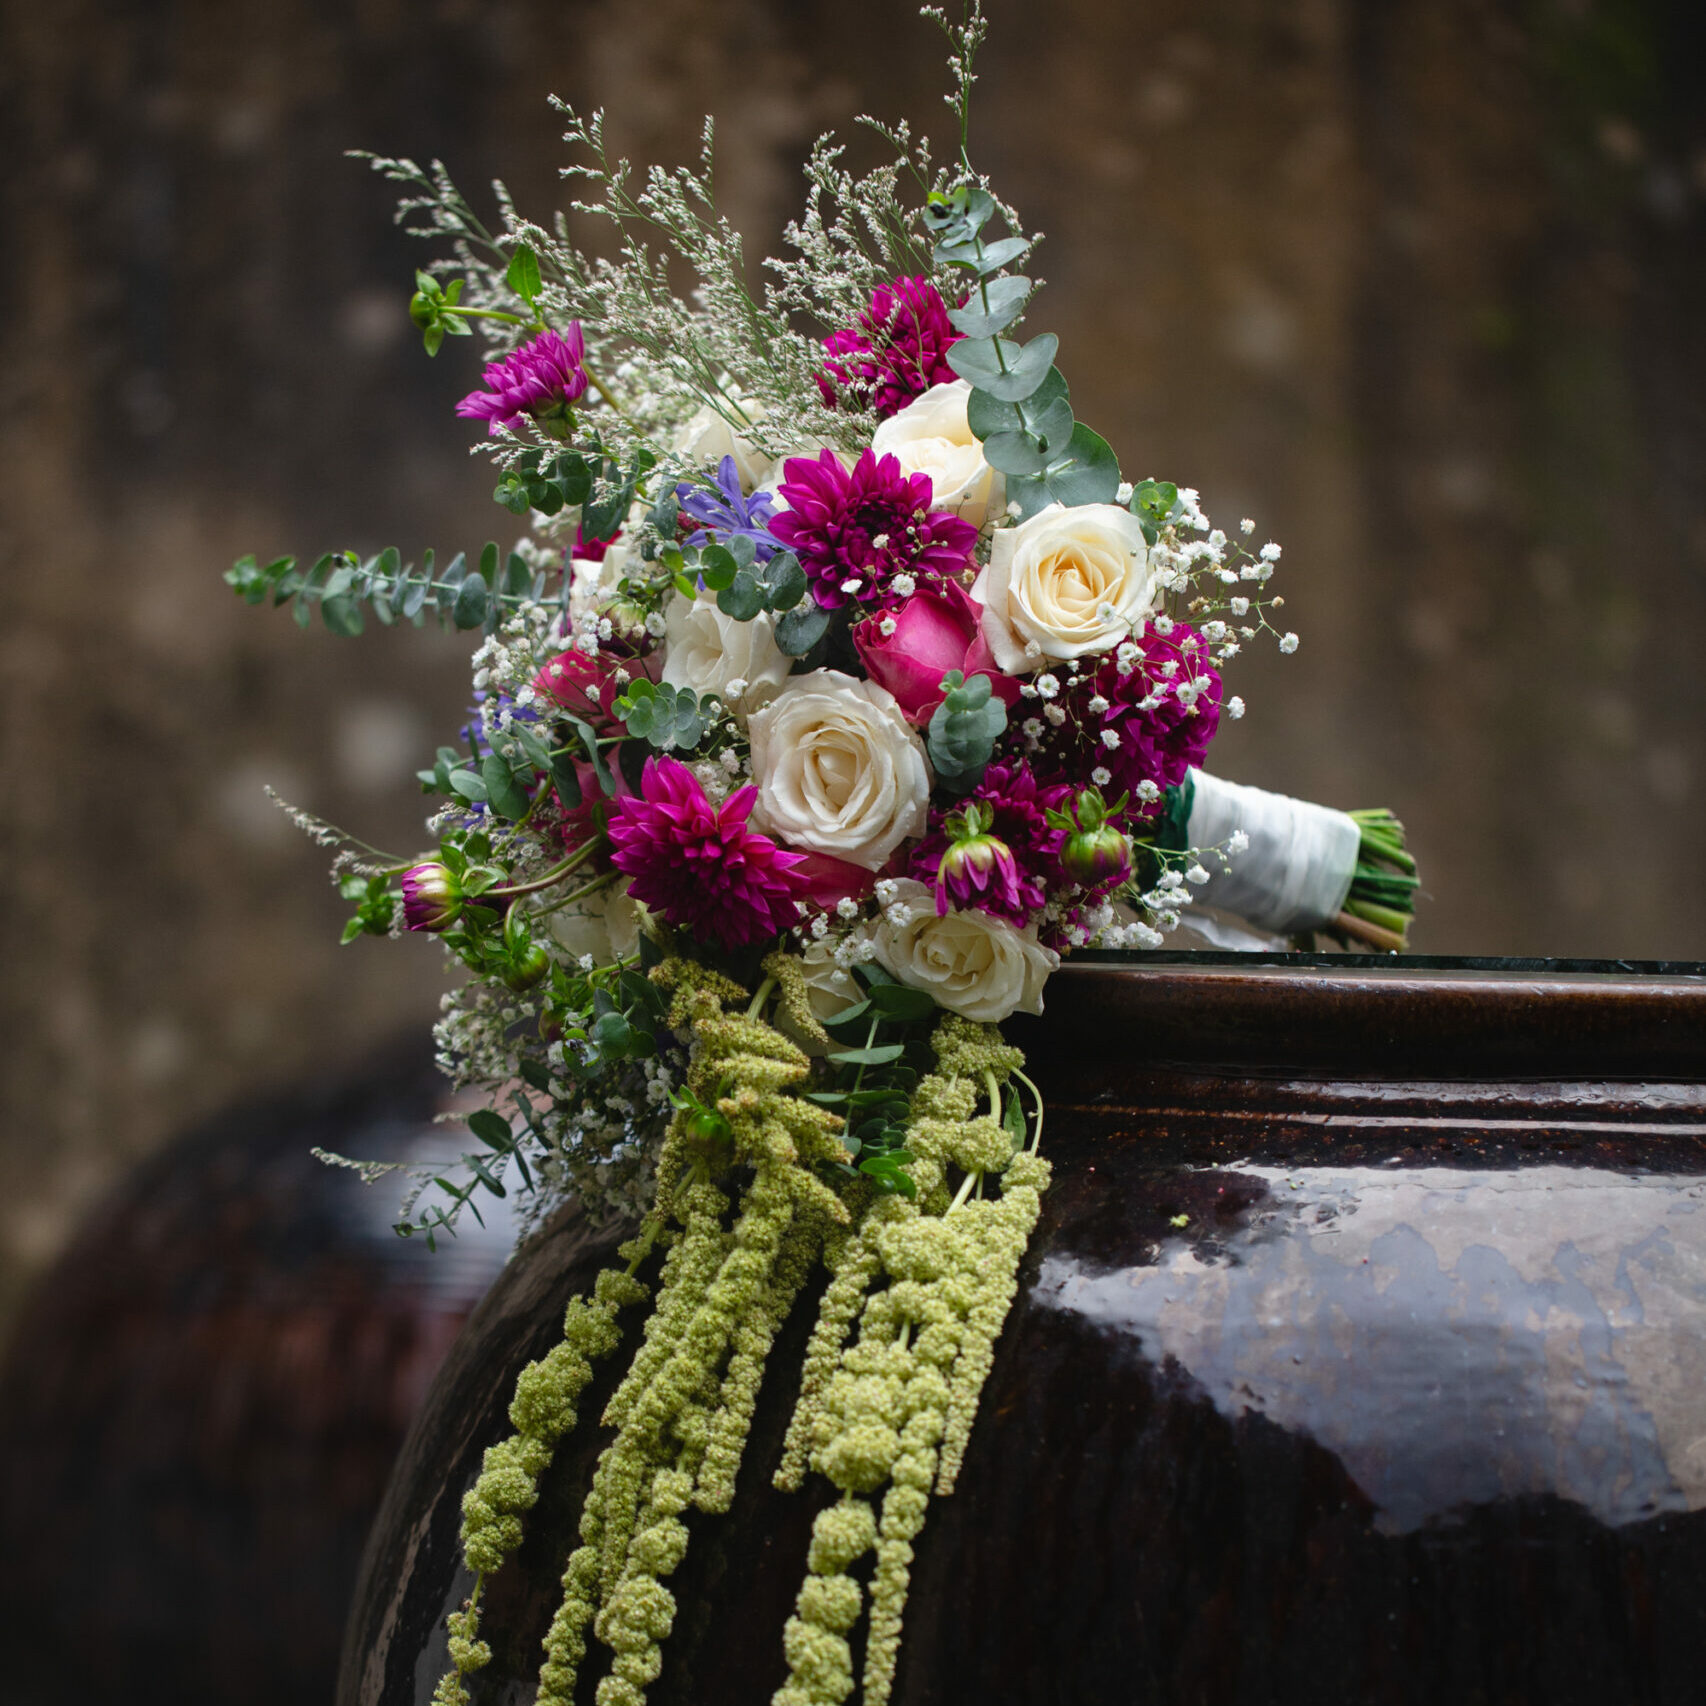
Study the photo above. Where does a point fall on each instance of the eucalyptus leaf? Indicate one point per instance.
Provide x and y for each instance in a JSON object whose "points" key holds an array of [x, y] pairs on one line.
{"points": [[1015, 453], [1018, 373], [1006, 299], [982, 258], [986, 415], [799, 629], [469, 610]]}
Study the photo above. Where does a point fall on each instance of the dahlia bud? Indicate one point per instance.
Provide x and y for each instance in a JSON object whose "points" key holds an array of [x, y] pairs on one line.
{"points": [[976, 864], [1094, 852], [432, 897], [1094, 857], [527, 967]]}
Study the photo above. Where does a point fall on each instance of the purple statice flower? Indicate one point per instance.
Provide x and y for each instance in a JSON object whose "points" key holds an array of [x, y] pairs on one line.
{"points": [[432, 897], [700, 866], [897, 352], [541, 380], [1011, 808], [854, 532], [1146, 713], [729, 512]]}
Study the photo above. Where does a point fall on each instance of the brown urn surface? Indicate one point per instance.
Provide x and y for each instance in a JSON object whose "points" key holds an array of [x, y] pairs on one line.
{"points": [[1360, 1356]]}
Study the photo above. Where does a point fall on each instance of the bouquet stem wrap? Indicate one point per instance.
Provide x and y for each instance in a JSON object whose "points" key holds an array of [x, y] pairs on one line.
{"points": [[1297, 872]]}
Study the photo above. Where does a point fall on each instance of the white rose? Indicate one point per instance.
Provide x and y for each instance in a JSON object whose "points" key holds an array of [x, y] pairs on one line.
{"points": [[706, 650], [605, 925], [708, 437], [839, 769], [1069, 581], [971, 963], [829, 990], [932, 436]]}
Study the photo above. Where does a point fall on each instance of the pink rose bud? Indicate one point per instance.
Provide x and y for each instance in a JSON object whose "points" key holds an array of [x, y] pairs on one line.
{"points": [[936, 630]]}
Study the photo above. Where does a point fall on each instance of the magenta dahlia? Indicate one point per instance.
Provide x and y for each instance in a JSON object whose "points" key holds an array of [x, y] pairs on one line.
{"points": [[1013, 878], [897, 352], [699, 866], [854, 532], [541, 379], [1148, 720]]}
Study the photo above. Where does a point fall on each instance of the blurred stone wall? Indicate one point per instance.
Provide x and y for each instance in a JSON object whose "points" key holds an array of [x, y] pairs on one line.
{"points": [[1415, 283]]}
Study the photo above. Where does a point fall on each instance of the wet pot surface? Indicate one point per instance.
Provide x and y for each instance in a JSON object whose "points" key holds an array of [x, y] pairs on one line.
{"points": [[1320, 1384]]}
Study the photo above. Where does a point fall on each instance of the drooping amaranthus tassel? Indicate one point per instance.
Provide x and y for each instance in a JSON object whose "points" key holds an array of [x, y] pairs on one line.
{"points": [[684, 1410], [897, 1405], [546, 1395]]}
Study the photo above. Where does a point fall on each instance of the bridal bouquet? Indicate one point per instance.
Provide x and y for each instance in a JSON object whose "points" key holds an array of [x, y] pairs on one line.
{"points": [[838, 685]]}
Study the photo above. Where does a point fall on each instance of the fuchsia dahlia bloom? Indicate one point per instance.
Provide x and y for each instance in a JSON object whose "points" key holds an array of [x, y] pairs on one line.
{"points": [[699, 866], [854, 532], [897, 352], [540, 379]]}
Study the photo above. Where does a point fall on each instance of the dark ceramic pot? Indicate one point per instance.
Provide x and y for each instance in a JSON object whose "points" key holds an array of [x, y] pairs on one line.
{"points": [[1410, 1408], [203, 1398]]}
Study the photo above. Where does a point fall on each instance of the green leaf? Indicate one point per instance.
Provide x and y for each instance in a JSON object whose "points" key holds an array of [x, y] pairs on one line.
{"points": [[987, 415], [742, 598], [880, 1055], [1006, 299], [786, 581], [490, 1126], [1091, 475], [342, 615], [469, 610], [901, 1002], [565, 779], [799, 629], [504, 794], [963, 731], [982, 258], [1019, 372], [717, 567], [1015, 453], [589, 745], [523, 275], [468, 785]]}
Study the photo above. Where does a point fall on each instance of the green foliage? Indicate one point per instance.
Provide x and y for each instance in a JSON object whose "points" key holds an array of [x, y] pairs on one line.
{"points": [[744, 586], [342, 584], [963, 731], [1087, 473], [665, 716], [1155, 503], [545, 481], [430, 307], [376, 906]]}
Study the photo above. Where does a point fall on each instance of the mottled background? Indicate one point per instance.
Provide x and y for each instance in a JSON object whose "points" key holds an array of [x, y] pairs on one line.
{"points": [[1416, 283]]}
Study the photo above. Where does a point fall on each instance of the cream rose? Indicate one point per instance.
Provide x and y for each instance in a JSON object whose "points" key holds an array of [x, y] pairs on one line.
{"points": [[839, 769], [932, 436], [714, 653], [971, 963], [708, 437], [1068, 582], [606, 925], [829, 990]]}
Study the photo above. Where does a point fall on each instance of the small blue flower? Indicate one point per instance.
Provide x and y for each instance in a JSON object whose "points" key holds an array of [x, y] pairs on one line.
{"points": [[728, 513]]}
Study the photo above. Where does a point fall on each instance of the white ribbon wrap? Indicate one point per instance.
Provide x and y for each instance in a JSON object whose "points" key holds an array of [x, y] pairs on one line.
{"points": [[1298, 867]]}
